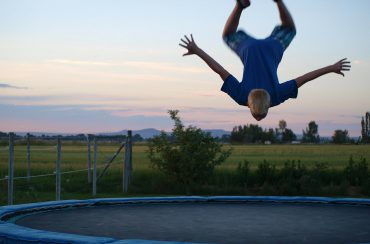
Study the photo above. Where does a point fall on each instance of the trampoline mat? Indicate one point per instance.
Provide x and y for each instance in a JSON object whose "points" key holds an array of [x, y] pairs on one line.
{"points": [[212, 222]]}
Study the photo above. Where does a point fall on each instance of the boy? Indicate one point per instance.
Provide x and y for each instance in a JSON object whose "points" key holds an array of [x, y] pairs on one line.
{"points": [[260, 88]]}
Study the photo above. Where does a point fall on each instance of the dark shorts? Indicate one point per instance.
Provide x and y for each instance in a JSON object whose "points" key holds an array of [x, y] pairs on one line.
{"points": [[284, 35]]}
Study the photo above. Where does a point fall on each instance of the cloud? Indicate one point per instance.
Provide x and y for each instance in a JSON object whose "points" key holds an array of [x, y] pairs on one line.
{"points": [[361, 62], [79, 62], [7, 86], [350, 116], [131, 64], [77, 99], [115, 105], [74, 120]]}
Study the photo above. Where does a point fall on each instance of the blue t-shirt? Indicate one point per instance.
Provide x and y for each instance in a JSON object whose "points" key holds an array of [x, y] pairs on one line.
{"points": [[261, 59]]}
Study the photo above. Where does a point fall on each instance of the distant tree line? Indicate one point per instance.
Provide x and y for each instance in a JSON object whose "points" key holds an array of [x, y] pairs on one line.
{"points": [[251, 134], [255, 134], [282, 134]]}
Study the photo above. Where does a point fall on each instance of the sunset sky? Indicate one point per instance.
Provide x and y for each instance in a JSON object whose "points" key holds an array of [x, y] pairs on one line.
{"points": [[85, 66]]}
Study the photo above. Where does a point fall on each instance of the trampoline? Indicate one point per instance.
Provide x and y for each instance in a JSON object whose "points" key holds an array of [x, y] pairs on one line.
{"points": [[189, 220]]}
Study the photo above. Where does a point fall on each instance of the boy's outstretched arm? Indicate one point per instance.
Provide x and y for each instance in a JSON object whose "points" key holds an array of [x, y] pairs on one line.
{"points": [[193, 49], [338, 68]]}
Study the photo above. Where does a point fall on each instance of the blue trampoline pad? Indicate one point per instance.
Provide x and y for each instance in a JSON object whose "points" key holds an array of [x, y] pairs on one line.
{"points": [[208, 220]]}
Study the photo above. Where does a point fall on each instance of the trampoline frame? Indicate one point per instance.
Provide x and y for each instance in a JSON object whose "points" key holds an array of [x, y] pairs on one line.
{"points": [[12, 233]]}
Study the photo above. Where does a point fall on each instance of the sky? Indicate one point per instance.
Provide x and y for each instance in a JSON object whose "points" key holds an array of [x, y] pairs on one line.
{"points": [[86, 66]]}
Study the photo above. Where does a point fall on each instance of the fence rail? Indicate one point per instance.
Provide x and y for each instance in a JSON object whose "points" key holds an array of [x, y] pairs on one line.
{"points": [[91, 169], [47, 175]]}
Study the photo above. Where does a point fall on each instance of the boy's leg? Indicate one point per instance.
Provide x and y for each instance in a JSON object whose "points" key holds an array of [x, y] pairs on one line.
{"points": [[233, 21], [285, 32], [285, 16]]}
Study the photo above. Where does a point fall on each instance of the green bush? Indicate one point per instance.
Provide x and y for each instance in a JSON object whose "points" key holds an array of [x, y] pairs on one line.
{"points": [[266, 173], [357, 173], [290, 177], [188, 156], [243, 174], [292, 170]]}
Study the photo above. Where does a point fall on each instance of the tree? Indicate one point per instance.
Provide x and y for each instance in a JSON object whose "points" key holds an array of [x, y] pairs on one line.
{"points": [[288, 136], [284, 134], [311, 135], [251, 134], [269, 135], [340, 137], [137, 138], [246, 134], [225, 138], [282, 125], [188, 156], [365, 128]]}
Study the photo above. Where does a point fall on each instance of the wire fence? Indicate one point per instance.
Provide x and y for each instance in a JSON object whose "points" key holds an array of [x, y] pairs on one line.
{"points": [[91, 169], [51, 174], [109, 160]]}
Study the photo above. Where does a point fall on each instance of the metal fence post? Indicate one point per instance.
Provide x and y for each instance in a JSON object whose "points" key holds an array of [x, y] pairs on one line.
{"points": [[127, 162], [94, 170], [28, 158], [57, 171], [89, 158], [11, 169]]}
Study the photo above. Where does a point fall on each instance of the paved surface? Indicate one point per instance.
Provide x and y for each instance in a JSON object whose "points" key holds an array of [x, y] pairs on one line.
{"points": [[215, 223]]}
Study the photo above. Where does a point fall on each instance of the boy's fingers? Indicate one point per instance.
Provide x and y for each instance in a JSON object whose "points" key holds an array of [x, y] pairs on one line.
{"points": [[182, 45], [184, 41], [192, 39], [187, 39]]}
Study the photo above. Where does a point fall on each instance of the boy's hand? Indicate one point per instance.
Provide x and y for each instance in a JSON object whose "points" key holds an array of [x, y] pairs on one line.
{"points": [[189, 45], [342, 65]]}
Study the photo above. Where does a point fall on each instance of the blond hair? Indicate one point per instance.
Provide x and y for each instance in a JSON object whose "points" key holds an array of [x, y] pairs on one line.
{"points": [[259, 101]]}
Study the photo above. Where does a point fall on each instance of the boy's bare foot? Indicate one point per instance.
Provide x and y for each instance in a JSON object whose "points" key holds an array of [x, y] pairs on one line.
{"points": [[244, 3]]}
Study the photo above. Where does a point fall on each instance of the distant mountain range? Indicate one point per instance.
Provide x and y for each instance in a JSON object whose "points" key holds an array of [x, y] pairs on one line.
{"points": [[144, 133]]}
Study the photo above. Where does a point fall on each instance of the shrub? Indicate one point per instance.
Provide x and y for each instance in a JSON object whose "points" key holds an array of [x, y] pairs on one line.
{"points": [[292, 170], [243, 173], [357, 173], [290, 177], [266, 173], [188, 156]]}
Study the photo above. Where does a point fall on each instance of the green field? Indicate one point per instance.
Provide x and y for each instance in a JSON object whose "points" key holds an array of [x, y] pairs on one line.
{"points": [[74, 157]]}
